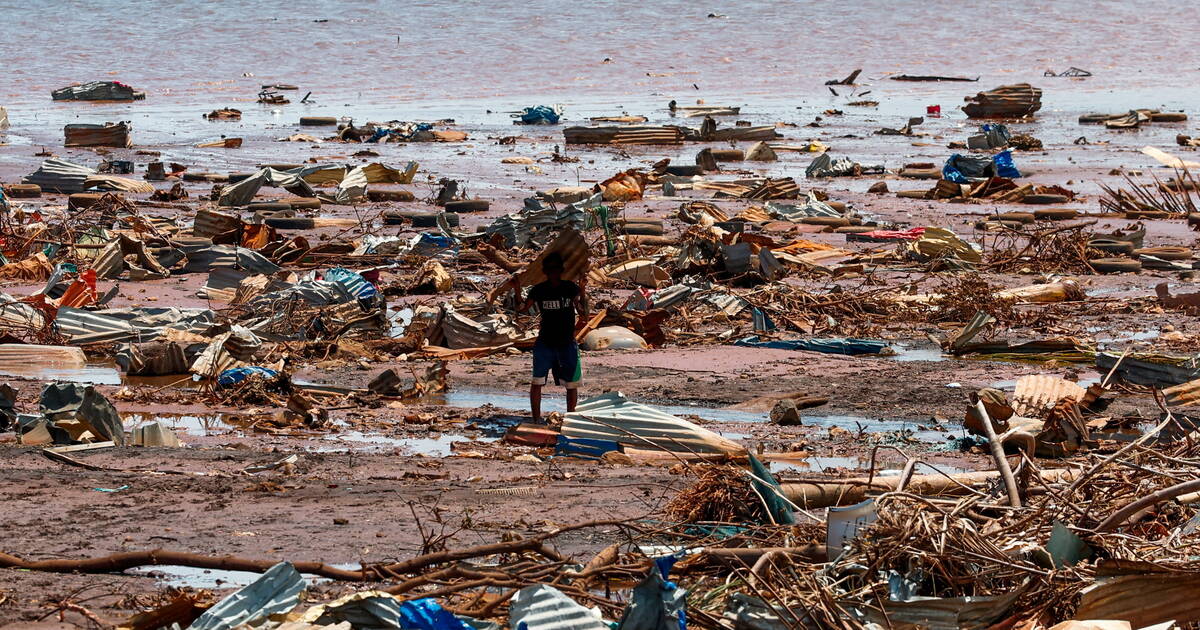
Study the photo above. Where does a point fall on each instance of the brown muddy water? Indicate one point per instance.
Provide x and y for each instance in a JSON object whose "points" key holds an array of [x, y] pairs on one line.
{"points": [[475, 61]]}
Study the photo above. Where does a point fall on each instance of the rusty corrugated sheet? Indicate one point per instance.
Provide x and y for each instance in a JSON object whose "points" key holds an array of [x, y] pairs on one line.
{"points": [[1037, 394], [210, 223], [624, 135], [106, 135], [1143, 600], [613, 417], [112, 182], [20, 356], [575, 253], [222, 285], [1183, 395]]}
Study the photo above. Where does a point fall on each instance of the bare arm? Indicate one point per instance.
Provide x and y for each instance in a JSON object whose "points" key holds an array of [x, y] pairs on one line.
{"points": [[523, 304], [581, 299]]}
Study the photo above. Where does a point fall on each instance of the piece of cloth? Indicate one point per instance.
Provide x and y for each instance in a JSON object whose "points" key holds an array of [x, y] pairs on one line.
{"points": [[561, 361], [556, 304]]}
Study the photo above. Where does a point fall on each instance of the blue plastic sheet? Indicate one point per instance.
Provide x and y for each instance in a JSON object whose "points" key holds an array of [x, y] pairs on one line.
{"points": [[827, 346], [427, 614], [960, 169], [584, 447], [233, 376], [383, 132], [1005, 167], [539, 115]]}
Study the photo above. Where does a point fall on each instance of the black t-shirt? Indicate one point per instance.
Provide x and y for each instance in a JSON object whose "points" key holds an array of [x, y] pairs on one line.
{"points": [[556, 305]]}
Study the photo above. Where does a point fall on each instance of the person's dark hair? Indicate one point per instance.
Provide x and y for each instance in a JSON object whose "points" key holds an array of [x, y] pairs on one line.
{"points": [[552, 262]]}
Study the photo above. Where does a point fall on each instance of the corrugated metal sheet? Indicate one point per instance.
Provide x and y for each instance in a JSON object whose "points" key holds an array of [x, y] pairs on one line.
{"points": [[320, 174], [1148, 372], [60, 176], [463, 332], [85, 327], [1185, 394], [222, 284], [210, 223], [1037, 394], [612, 416], [106, 135], [544, 607], [19, 315], [352, 187], [379, 173], [112, 182], [97, 91], [624, 135], [243, 192], [575, 253], [228, 350], [110, 262], [218, 256], [20, 356]]}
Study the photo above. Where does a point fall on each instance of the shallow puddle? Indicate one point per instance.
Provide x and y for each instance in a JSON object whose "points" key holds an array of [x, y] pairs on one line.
{"points": [[437, 446], [91, 374], [818, 464], [905, 355], [203, 425], [176, 576]]}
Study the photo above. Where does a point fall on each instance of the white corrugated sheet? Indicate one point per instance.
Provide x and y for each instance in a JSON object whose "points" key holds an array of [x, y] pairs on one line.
{"points": [[612, 416], [544, 607]]}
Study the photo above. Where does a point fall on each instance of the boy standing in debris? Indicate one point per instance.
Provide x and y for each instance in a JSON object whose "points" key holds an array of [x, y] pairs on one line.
{"points": [[555, 351]]}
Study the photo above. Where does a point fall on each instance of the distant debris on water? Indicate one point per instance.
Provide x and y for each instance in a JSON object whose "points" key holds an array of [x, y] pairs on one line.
{"points": [[929, 78], [1069, 72], [98, 91], [849, 80]]}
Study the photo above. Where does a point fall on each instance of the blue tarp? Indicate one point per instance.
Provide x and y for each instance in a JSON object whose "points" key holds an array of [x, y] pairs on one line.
{"points": [[233, 376], [961, 168], [539, 115], [427, 614], [828, 346], [584, 447]]}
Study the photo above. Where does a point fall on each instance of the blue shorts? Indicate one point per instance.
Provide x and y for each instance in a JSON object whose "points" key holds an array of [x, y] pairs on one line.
{"points": [[562, 361]]}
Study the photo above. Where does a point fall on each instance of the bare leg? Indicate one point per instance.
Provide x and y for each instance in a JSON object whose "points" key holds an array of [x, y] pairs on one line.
{"points": [[535, 402], [572, 399]]}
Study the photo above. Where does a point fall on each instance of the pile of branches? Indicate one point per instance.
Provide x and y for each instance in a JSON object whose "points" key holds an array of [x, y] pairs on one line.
{"points": [[1174, 197], [961, 296], [1041, 250], [856, 312], [722, 494]]}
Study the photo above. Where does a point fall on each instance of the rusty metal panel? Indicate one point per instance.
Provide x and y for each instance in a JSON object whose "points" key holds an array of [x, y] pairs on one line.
{"points": [[623, 135], [223, 283], [210, 223], [89, 135], [1037, 394]]}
